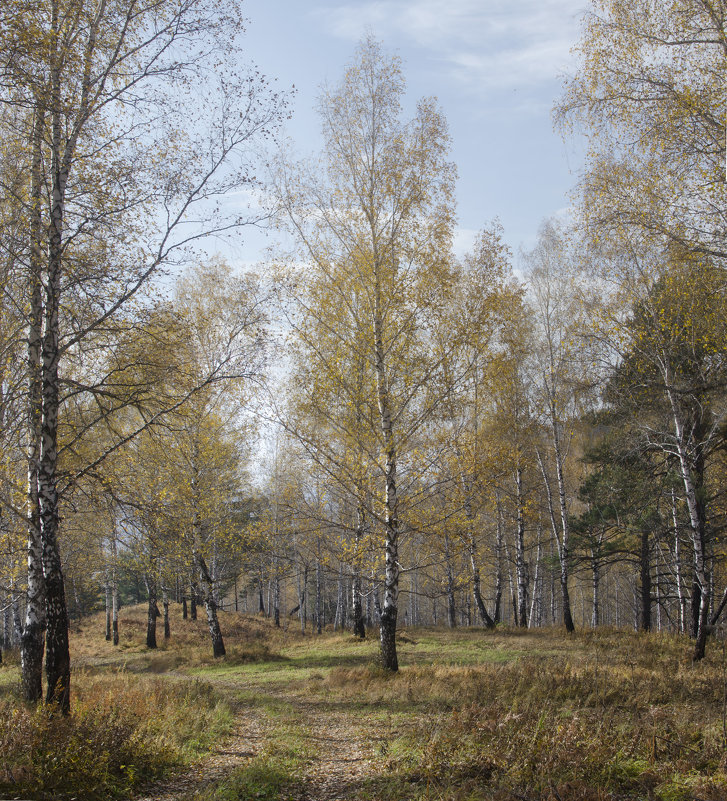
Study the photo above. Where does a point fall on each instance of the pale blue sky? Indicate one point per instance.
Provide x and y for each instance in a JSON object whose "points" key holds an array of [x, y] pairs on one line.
{"points": [[496, 67]]}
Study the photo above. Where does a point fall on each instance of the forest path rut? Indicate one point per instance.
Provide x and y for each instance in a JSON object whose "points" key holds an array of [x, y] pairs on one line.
{"points": [[337, 745], [344, 750], [235, 751]]}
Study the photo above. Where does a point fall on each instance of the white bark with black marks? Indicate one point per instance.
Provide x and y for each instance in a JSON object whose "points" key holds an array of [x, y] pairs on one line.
{"points": [[521, 567]]}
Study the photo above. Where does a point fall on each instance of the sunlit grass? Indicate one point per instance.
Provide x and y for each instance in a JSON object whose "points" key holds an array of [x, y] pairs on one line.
{"points": [[603, 715], [9, 676], [273, 771]]}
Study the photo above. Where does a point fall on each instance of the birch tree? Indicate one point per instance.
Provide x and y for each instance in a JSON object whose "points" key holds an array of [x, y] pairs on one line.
{"points": [[373, 220], [128, 136], [561, 377], [650, 94]]}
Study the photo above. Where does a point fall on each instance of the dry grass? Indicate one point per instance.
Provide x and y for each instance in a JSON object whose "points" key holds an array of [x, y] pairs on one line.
{"points": [[602, 716], [249, 639], [123, 730], [535, 715]]}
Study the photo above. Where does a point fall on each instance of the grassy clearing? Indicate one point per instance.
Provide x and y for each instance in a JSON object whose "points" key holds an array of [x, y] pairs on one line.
{"points": [[598, 716], [536, 715], [540, 715], [248, 640]]}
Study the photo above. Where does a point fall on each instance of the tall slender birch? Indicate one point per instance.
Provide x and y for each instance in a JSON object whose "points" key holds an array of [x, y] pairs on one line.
{"points": [[374, 224], [561, 375], [33, 639]]}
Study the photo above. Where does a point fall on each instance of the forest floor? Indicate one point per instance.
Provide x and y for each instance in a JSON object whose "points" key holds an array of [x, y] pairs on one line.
{"points": [[531, 715]]}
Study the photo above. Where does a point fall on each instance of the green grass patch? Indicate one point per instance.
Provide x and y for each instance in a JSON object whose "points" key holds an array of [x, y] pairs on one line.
{"points": [[274, 771], [9, 677]]}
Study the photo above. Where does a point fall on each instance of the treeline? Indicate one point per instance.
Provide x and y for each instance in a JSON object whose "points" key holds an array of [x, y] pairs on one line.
{"points": [[455, 441], [451, 428]]}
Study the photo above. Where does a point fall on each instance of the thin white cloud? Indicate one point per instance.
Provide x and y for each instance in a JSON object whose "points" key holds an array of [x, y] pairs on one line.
{"points": [[484, 44]]}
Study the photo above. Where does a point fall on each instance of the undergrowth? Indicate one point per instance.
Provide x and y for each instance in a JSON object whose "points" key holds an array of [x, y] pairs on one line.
{"points": [[535, 715], [122, 732]]}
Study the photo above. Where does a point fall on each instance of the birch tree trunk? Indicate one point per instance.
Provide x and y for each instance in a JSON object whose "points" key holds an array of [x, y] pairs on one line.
{"points": [[451, 605], [564, 549], [477, 589], [32, 642], [276, 593], [302, 600], [414, 595], [165, 602], [389, 612], [513, 587], [562, 540], [696, 521], [208, 585], [681, 595], [645, 574], [210, 605], [553, 602], [520, 564], [152, 609], [114, 593], [107, 598], [498, 566], [338, 618], [319, 597], [536, 607], [57, 662], [657, 576], [474, 565], [357, 612]]}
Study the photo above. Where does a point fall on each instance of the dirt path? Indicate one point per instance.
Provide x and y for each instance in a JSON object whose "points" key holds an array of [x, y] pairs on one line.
{"points": [[341, 746], [344, 754], [238, 749]]}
